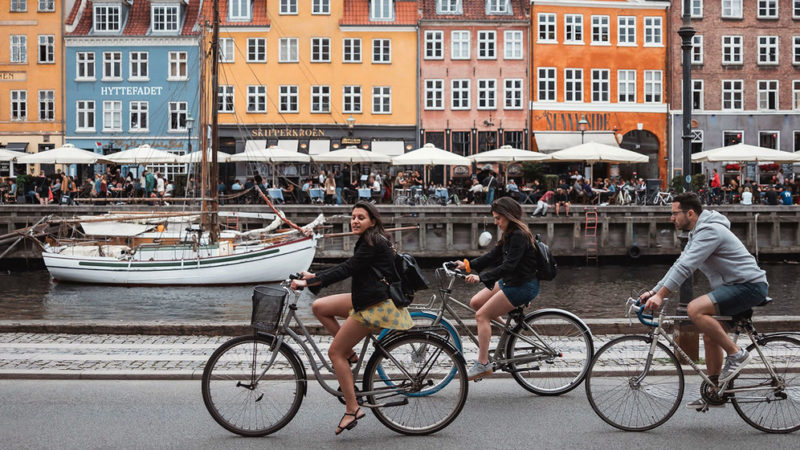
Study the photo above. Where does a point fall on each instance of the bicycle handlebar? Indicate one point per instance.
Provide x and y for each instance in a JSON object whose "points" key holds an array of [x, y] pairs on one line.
{"points": [[449, 268], [635, 305]]}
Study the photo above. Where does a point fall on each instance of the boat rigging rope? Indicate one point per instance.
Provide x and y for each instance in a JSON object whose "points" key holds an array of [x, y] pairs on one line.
{"points": [[278, 213]]}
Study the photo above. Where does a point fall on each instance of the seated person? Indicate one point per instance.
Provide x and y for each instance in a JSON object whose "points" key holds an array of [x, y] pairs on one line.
{"points": [[578, 193], [561, 199], [475, 192], [543, 204], [513, 189]]}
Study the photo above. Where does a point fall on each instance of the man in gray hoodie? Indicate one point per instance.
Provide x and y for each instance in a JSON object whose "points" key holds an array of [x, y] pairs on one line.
{"points": [[737, 283]]}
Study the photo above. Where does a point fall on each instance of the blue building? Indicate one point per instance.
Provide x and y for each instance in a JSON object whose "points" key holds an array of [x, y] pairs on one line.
{"points": [[132, 76]]}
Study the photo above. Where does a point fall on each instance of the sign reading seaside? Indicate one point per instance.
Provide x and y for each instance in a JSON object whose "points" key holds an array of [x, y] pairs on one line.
{"points": [[131, 90]]}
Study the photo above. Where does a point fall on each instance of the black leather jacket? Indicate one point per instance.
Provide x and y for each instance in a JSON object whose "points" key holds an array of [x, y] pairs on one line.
{"points": [[514, 262], [367, 288]]}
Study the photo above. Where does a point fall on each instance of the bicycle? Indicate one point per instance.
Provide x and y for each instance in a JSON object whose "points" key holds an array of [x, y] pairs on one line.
{"points": [[663, 198], [635, 383], [253, 385], [547, 351]]}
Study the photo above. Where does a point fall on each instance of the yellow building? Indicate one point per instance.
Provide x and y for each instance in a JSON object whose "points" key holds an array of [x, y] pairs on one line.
{"points": [[30, 77], [317, 76]]}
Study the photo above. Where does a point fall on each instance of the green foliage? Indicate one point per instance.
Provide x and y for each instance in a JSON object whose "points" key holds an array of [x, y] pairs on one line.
{"points": [[532, 171], [550, 182], [698, 181], [677, 184]]}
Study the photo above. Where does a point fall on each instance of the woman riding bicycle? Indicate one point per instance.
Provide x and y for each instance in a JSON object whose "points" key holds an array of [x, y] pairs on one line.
{"points": [[372, 309], [510, 283]]}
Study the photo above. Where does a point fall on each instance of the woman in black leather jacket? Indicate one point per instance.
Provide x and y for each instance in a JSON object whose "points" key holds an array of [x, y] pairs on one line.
{"points": [[370, 307], [509, 273]]}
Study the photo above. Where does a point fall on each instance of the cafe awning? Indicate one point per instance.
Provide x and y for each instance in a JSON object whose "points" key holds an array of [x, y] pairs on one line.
{"points": [[551, 141], [17, 146]]}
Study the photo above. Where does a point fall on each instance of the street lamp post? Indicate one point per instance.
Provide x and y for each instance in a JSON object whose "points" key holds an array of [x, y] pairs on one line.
{"points": [[189, 123], [583, 125]]}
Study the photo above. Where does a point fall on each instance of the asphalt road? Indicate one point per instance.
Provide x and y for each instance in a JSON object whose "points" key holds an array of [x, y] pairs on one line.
{"points": [[498, 414]]}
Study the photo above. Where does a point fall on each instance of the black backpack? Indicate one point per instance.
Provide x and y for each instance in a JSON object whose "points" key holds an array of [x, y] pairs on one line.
{"points": [[409, 279], [547, 265]]}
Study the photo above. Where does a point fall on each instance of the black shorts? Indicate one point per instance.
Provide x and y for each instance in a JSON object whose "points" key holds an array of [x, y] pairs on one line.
{"points": [[732, 299]]}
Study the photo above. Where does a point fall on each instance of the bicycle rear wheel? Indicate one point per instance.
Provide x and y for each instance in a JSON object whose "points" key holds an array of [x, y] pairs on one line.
{"points": [[627, 397], [241, 402], [770, 405], [411, 406], [551, 373]]}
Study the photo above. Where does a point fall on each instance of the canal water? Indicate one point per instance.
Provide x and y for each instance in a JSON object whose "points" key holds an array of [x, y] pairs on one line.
{"points": [[589, 291]]}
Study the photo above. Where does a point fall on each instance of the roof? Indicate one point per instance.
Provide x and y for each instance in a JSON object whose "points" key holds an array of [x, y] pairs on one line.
{"points": [[476, 10], [258, 19], [138, 20], [356, 12]]}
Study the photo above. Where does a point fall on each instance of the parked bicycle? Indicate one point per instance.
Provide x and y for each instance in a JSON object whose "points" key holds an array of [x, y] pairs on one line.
{"points": [[253, 385], [547, 351], [663, 198], [636, 383]]}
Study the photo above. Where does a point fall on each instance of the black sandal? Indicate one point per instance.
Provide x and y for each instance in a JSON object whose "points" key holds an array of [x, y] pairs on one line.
{"points": [[353, 358], [352, 424]]}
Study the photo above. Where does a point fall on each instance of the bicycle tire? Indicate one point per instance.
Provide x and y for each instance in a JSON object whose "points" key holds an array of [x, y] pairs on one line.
{"points": [[417, 414], [615, 397], [562, 373], [772, 413], [231, 404]]}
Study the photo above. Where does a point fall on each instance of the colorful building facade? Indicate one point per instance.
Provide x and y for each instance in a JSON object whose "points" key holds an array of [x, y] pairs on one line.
{"points": [[603, 63]]}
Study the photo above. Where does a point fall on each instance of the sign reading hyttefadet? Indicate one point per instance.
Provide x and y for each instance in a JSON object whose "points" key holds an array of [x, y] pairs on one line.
{"points": [[131, 90]]}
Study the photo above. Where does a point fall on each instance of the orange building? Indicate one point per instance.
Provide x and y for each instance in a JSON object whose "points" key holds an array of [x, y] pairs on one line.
{"points": [[30, 77], [605, 62]]}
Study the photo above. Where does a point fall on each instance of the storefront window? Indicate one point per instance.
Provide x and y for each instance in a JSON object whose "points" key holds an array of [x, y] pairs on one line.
{"points": [[461, 143], [436, 138], [513, 138], [487, 140]]}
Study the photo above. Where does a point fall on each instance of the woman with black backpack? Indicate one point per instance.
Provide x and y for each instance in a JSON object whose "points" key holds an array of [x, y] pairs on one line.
{"points": [[509, 273]]}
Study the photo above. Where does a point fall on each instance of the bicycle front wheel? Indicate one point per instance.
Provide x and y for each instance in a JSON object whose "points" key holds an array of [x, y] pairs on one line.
{"points": [[770, 404], [629, 394], [242, 400], [558, 369], [404, 370]]}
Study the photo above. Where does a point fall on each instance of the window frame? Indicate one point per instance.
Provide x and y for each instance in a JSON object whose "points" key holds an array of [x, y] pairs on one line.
{"points": [[549, 81], [693, 6], [733, 91], [767, 92], [244, 8], [319, 54], [573, 28], [288, 7], [49, 103], [227, 50], [655, 30], [256, 50], [737, 49], [548, 27], [167, 9], [50, 6], [702, 95], [345, 48], [177, 60], [284, 46], [434, 44], [21, 45], [627, 26], [18, 110], [733, 5], [320, 7], [461, 43], [575, 94], [653, 83], [178, 112], [600, 82], [106, 10], [487, 94], [49, 49], [385, 100], [86, 114], [697, 55], [141, 113], [515, 37], [796, 95], [464, 89], [226, 99], [767, 6], [86, 63], [796, 50], [455, 7], [497, 7], [117, 63], [320, 95], [381, 10], [624, 85], [132, 63], [112, 117], [349, 99], [602, 28], [384, 48], [429, 90], [763, 50], [257, 97], [490, 44], [18, 5], [517, 93]]}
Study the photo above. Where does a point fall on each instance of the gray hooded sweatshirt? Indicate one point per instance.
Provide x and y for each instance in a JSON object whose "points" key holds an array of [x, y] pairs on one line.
{"points": [[717, 252]]}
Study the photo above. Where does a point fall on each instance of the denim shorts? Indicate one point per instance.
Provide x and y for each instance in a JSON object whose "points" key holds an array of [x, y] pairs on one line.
{"points": [[731, 299], [520, 295]]}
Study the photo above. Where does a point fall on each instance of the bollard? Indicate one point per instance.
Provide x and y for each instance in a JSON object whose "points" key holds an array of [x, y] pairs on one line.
{"points": [[686, 335]]}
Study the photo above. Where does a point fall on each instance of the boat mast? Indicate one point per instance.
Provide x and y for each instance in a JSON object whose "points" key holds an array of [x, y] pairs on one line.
{"points": [[203, 131], [214, 176]]}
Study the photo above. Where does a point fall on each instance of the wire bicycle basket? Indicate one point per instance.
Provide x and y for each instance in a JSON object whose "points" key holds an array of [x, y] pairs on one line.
{"points": [[268, 305]]}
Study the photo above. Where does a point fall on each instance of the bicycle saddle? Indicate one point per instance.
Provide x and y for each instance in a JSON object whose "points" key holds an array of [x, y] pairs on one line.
{"points": [[747, 315]]}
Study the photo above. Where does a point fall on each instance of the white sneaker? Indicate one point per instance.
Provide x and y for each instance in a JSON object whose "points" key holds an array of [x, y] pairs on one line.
{"points": [[733, 365], [479, 370]]}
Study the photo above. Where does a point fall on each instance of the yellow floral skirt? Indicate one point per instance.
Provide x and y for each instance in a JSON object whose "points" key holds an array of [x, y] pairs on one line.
{"points": [[383, 315]]}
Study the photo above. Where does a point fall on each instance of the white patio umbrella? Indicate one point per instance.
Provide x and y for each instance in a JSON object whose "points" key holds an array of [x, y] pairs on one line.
{"points": [[593, 152], [66, 154], [430, 155], [746, 153], [8, 155], [143, 154], [508, 153], [271, 155], [353, 155], [196, 157]]}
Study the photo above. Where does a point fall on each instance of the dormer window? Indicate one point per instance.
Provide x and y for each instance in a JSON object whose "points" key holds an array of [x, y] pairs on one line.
{"points": [[107, 18], [498, 7], [381, 10], [239, 10], [165, 18], [449, 7]]}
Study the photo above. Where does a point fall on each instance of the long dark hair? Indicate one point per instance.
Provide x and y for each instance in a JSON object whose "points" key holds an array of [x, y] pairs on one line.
{"points": [[511, 210], [373, 233]]}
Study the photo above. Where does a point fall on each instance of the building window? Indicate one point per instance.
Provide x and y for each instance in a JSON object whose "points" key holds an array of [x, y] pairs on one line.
{"points": [[796, 95], [165, 18], [381, 10], [139, 120], [652, 31], [731, 9], [352, 99], [178, 111], [797, 141], [547, 28], [626, 86], [769, 139], [47, 49], [288, 50], [434, 94], [256, 50], [177, 66], [225, 98], [573, 28], [112, 66], [626, 30], [767, 95], [47, 5], [601, 87], [352, 50], [697, 49], [381, 51], [257, 99], [573, 85], [19, 5], [696, 11], [459, 94], [732, 95], [731, 49], [138, 66], [84, 66], [512, 44], [767, 9], [19, 48], [512, 93], [320, 6], [320, 50], [226, 50], [486, 44], [768, 50], [239, 10], [47, 106], [381, 100], [84, 114], [288, 7], [459, 44], [448, 7], [434, 44], [320, 99], [461, 143], [653, 86], [796, 50], [697, 95], [19, 105], [731, 138], [487, 94], [796, 9], [600, 30], [546, 85], [112, 116], [106, 18], [497, 7]]}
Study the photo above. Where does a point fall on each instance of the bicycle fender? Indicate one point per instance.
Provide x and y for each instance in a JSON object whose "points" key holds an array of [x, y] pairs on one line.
{"points": [[293, 355], [566, 313]]}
